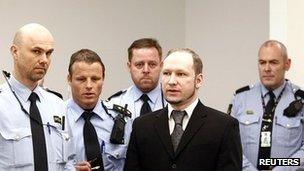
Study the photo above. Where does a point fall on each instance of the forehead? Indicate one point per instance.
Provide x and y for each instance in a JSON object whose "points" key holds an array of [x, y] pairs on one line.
{"points": [[143, 54], [42, 41], [85, 68], [178, 61], [270, 53]]}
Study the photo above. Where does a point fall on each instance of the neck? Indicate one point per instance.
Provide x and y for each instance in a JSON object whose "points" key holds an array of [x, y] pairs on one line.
{"points": [[28, 83]]}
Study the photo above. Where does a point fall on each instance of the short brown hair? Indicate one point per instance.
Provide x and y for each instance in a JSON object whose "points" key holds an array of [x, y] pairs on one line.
{"points": [[197, 62], [88, 56], [144, 43]]}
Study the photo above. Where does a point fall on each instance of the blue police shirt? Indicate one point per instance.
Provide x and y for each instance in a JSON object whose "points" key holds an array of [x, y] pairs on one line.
{"points": [[113, 155], [16, 149], [132, 97], [287, 132]]}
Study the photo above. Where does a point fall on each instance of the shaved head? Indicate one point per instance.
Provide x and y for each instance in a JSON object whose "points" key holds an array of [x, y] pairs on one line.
{"points": [[31, 49], [29, 30]]}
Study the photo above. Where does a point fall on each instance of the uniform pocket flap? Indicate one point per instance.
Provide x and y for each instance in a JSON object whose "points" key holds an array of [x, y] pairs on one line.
{"points": [[115, 150], [15, 134], [288, 123], [249, 119]]}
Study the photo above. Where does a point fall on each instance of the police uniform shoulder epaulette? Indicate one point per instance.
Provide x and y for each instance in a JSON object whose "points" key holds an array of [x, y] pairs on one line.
{"points": [[53, 92], [116, 94], [240, 90], [299, 93]]}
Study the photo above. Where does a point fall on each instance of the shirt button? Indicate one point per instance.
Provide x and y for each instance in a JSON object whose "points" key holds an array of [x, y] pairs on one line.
{"points": [[287, 125], [246, 122], [117, 155], [173, 166]]}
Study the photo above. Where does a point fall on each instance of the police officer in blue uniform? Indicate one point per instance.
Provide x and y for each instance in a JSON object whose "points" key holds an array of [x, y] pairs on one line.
{"points": [[88, 115], [144, 64], [33, 131], [270, 112]]}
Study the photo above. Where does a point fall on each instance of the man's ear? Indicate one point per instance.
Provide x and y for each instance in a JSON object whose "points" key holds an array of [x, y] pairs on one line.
{"points": [[14, 51], [198, 80], [287, 64], [129, 66], [69, 79]]}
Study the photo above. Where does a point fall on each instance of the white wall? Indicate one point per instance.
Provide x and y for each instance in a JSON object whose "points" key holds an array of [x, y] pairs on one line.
{"points": [[295, 40], [106, 26], [286, 25], [227, 35]]}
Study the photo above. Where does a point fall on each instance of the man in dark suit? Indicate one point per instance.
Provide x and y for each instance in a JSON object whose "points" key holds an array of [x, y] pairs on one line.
{"points": [[185, 135]]}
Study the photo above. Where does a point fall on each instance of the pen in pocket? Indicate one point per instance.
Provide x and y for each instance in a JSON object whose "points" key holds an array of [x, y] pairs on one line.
{"points": [[102, 147]]}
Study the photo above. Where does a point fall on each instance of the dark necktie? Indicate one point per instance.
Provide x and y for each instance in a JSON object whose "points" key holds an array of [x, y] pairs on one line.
{"points": [[265, 152], [91, 143], [38, 138], [270, 105], [145, 108], [178, 127]]}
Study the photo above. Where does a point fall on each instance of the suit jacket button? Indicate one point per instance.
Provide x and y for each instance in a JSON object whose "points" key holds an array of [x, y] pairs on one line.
{"points": [[173, 166]]}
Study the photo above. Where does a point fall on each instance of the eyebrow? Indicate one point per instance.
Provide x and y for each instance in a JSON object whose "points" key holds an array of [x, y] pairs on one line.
{"points": [[39, 48]]}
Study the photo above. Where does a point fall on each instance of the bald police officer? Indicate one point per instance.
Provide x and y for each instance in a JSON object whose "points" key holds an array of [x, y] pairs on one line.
{"points": [[33, 134], [270, 112]]}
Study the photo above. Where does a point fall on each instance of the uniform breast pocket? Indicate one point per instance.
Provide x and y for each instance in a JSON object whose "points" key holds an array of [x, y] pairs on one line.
{"points": [[288, 131], [113, 155], [249, 128], [16, 148]]}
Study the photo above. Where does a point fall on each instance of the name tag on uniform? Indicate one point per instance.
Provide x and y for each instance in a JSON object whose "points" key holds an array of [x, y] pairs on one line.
{"points": [[249, 112], [57, 119], [265, 139]]}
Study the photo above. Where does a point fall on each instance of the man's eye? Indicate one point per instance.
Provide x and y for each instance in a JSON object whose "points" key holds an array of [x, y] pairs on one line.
{"points": [[36, 52], [96, 79], [152, 65], [80, 79], [48, 54], [139, 65], [181, 74], [166, 73]]}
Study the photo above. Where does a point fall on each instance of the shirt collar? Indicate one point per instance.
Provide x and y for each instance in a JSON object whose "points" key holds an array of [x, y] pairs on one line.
{"points": [[276, 91], [22, 91], [188, 109], [153, 94], [77, 110]]}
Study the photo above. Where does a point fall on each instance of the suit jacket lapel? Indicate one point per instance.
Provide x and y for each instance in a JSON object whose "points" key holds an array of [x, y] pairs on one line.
{"points": [[161, 126], [196, 121]]}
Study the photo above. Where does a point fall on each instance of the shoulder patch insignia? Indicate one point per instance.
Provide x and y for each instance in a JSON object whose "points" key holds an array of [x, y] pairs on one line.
{"points": [[240, 90], [299, 93], [116, 94]]}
